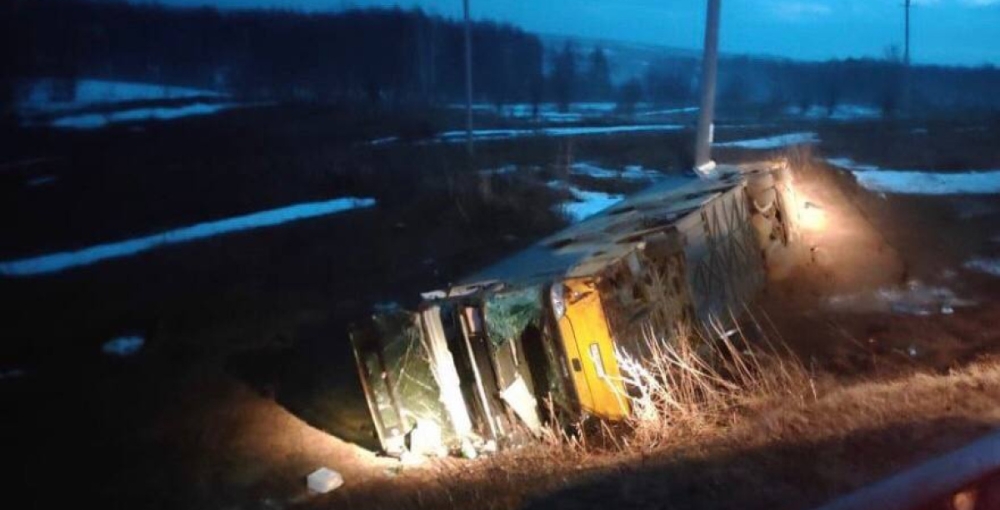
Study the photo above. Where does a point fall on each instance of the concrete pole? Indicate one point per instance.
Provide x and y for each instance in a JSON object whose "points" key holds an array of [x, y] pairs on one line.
{"points": [[709, 69], [468, 80], [906, 54]]}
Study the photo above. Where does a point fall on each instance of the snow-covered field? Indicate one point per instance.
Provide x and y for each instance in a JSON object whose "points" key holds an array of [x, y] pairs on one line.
{"points": [[916, 182], [40, 103], [773, 142], [40, 95], [61, 261]]}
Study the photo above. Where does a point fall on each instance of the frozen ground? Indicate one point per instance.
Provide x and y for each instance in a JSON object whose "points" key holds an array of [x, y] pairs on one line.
{"points": [[56, 262], [773, 142], [915, 182]]}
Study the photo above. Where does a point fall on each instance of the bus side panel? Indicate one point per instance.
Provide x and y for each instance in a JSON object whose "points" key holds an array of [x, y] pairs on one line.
{"points": [[589, 345]]}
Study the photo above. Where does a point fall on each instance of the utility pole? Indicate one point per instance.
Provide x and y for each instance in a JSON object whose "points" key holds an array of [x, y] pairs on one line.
{"points": [[907, 72], [703, 163], [468, 80], [906, 54]]}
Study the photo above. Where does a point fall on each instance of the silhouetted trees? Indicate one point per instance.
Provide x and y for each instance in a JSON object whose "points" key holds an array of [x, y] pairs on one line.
{"points": [[629, 95], [386, 57], [564, 77], [403, 57], [598, 86]]}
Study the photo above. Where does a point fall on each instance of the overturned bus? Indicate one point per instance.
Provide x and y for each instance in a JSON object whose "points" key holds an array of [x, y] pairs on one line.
{"points": [[533, 340]]}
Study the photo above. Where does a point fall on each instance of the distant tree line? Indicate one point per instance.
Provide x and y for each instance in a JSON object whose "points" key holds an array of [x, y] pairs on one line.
{"points": [[404, 57], [384, 56]]}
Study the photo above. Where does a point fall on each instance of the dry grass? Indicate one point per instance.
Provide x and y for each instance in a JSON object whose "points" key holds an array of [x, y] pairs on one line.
{"points": [[699, 386]]}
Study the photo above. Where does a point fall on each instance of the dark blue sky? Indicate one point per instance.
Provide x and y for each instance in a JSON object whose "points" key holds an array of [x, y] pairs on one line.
{"points": [[963, 32]]}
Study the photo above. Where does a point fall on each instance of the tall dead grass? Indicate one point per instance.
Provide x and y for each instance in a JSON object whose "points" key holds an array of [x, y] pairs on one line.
{"points": [[701, 382]]}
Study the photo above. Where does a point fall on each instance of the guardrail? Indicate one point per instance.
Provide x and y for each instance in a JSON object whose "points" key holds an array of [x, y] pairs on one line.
{"points": [[962, 480]]}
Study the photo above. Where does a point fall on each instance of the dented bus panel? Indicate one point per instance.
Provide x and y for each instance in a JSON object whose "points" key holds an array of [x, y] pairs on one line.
{"points": [[535, 338]]}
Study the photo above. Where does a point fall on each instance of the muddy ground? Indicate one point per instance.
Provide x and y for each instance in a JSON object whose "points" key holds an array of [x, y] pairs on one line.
{"points": [[246, 384]]}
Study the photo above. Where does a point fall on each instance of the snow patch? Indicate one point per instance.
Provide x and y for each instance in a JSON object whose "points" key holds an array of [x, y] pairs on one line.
{"points": [[500, 134], [586, 203], [984, 265], [774, 142], [508, 134], [123, 346], [843, 113], [100, 120], [672, 111], [915, 182], [61, 261], [629, 173]]}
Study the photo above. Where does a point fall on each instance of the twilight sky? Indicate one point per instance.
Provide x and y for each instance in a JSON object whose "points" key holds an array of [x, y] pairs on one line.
{"points": [[965, 32]]}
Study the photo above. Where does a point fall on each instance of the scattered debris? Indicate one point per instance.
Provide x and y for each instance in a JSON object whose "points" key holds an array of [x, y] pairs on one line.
{"points": [[324, 480], [123, 346], [425, 440]]}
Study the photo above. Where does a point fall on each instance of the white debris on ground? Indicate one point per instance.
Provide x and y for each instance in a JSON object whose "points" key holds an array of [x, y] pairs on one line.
{"points": [[586, 203], [915, 298], [984, 265], [915, 182], [324, 480], [773, 142], [41, 95], [123, 346], [61, 261]]}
